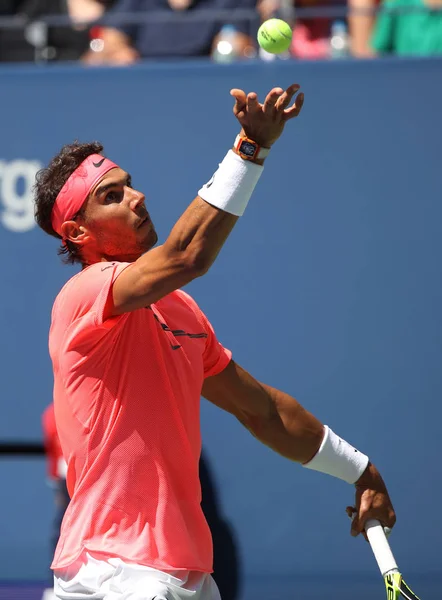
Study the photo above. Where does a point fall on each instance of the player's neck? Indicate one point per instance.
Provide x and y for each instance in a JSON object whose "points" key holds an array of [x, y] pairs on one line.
{"points": [[91, 258]]}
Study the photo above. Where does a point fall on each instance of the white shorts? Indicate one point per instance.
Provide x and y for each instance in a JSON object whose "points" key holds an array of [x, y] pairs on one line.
{"points": [[92, 578]]}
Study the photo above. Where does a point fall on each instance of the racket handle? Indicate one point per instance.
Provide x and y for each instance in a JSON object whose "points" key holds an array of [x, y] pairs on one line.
{"points": [[380, 546]]}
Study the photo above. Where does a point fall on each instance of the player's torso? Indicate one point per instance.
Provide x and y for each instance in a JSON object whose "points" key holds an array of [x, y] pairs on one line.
{"points": [[130, 423]]}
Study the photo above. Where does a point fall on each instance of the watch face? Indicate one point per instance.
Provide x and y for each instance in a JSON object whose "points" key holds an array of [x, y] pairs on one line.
{"points": [[247, 148]]}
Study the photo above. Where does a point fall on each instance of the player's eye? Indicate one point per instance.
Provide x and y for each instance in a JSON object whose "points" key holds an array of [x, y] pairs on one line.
{"points": [[113, 196]]}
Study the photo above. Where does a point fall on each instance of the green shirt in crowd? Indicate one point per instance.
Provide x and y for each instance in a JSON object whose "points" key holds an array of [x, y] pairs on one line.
{"points": [[415, 31]]}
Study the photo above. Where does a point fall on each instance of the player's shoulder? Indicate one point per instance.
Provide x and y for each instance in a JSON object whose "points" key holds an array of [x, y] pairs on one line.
{"points": [[185, 298], [180, 303], [82, 290], [91, 276]]}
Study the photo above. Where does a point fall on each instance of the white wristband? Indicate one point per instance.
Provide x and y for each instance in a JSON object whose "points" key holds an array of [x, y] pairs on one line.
{"points": [[232, 184], [338, 458]]}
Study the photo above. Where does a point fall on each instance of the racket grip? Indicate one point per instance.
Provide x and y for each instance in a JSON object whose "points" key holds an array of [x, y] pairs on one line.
{"points": [[380, 546]]}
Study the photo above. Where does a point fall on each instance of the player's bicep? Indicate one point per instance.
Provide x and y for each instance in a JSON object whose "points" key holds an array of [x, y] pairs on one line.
{"points": [[152, 276]]}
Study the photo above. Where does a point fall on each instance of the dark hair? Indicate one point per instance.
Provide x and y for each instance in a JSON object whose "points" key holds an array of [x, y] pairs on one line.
{"points": [[49, 182]]}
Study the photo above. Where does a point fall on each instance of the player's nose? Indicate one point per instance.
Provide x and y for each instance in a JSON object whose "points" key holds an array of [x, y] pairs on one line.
{"points": [[137, 200]]}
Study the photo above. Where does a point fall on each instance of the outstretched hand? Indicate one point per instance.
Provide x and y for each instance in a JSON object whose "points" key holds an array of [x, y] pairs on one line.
{"points": [[264, 123]]}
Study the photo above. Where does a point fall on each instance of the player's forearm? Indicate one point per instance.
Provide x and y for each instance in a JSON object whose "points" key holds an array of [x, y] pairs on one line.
{"points": [[295, 433], [288, 428], [280, 422], [199, 234], [203, 228]]}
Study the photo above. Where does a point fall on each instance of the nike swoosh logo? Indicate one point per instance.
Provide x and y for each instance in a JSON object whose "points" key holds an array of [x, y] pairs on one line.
{"points": [[98, 164], [108, 267], [209, 183]]}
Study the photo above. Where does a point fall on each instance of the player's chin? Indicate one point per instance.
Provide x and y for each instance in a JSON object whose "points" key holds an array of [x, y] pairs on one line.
{"points": [[149, 238]]}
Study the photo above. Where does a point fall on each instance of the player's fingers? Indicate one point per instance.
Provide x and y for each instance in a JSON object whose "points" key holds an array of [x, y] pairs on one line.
{"points": [[353, 513], [294, 110], [390, 519], [350, 510], [285, 98], [358, 516], [355, 525], [270, 101], [240, 102], [253, 105]]}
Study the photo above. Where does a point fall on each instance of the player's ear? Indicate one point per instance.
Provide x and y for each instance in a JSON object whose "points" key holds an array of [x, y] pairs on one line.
{"points": [[75, 233]]}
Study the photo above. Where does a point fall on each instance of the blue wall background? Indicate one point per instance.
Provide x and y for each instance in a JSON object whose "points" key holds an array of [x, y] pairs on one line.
{"points": [[329, 288]]}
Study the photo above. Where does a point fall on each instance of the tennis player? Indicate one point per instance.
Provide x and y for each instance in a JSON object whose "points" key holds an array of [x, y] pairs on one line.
{"points": [[132, 354]]}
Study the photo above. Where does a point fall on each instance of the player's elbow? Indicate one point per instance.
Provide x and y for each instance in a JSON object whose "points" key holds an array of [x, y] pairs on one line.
{"points": [[198, 261]]}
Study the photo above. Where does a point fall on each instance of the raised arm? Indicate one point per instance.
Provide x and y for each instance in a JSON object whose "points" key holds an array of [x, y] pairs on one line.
{"points": [[201, 231]]}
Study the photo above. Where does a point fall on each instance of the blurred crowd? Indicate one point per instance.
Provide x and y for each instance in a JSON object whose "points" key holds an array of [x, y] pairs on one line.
{"points": [[122, 32]]}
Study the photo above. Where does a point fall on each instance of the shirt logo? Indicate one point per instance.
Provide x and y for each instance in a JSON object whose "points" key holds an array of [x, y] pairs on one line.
{"points": [[108, 267], [177, 332]]}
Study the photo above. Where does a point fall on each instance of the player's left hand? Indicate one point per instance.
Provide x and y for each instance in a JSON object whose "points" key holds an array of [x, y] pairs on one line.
{"points": [[371, 502], [264, 123]]}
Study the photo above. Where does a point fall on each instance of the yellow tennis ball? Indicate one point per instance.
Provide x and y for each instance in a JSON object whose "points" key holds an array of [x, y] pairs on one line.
{"points": [[275, 36]]}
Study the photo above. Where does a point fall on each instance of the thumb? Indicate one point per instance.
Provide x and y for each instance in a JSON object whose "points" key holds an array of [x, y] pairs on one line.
{"points": [[350, 510], [353, 514], [240, 102], [355, 526]]}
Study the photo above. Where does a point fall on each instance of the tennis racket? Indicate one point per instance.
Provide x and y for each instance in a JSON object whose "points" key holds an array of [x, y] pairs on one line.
{"points": [[396, 586]]}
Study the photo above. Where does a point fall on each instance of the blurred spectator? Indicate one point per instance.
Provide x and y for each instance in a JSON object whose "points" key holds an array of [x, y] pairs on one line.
{"points": [[175, 37], [56, 470], [311, 37], [13, 45], [36, 41], [361, 21], [415, 30]]}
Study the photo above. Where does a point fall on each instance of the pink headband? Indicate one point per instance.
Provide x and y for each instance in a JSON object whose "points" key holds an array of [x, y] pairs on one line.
{"points": [[76, 189]]}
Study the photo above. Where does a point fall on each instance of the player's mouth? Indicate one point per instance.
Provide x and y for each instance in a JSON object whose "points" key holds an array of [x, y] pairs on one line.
{"points": [[144, 221]]}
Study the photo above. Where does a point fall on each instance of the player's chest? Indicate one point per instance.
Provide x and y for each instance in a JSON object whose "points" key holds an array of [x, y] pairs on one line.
{"points": [[180, 334]]}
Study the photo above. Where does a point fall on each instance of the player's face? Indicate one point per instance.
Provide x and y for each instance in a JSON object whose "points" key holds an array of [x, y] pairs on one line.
{"points": [[117, 220]]}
